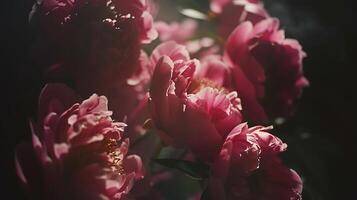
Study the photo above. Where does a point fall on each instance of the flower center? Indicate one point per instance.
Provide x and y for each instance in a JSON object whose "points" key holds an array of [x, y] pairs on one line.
{"points": [[115, 157], [198, 84]]}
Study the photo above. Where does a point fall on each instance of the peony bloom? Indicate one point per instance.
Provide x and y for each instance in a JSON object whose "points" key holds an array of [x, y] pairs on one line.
{"points": [[238, 11], [248, 168], [178, 32], [101, 38], [266, 68], [189, 112], [76, 152]]}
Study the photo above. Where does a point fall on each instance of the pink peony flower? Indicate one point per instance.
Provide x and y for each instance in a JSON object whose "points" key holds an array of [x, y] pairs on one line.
{"points": [[266, 68], [178, 32], [238, 11], [78, 152], [248, 168], [187, 113], [101, 38]]}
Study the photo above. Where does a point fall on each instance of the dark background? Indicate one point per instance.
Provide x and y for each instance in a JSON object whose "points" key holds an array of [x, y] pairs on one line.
{"points": [[321, 137]]}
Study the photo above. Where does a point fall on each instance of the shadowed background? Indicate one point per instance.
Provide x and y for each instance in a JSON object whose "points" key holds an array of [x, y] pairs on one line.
{"points": [[321, 137]]}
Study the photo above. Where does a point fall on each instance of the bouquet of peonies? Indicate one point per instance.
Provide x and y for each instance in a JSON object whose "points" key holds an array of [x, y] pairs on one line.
{"points": [[130, 98]]}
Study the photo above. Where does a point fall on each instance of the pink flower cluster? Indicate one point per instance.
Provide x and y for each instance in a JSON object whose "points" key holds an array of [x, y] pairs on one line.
{"points": [[190, 109], [195, 90]]}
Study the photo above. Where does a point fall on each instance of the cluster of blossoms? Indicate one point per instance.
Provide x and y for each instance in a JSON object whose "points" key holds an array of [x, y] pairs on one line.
{"points": [[192, 91]]}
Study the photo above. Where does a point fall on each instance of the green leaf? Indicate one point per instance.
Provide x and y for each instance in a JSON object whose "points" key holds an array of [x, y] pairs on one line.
{"points": [[192, 13], [195, 170]]}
